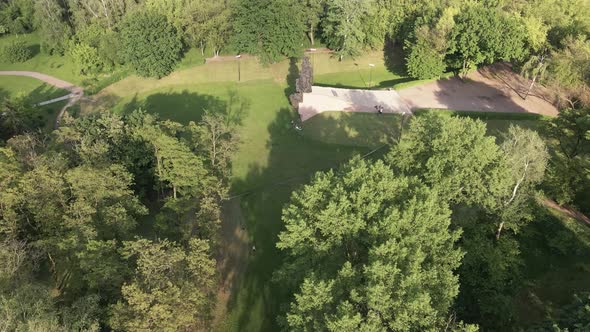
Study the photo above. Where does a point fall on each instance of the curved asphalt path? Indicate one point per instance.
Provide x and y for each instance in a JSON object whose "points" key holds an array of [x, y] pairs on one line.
{"points": [[76, 92]]}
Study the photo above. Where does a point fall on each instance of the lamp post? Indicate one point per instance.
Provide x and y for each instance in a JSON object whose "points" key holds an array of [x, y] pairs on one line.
{"points": [[371, 75], [239, 56], [401, 127]]}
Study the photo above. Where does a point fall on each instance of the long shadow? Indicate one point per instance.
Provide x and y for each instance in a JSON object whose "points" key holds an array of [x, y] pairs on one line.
{"points": [[394, 58], [292, 77], [556, 254], [455, 94], [294, 156], [380, 85], [188, 106], [35, 49]]}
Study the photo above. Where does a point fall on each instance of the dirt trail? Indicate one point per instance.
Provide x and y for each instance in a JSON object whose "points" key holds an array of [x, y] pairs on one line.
{"points": [[567, 210], [76, 91], [232, 257], [495, 88]]}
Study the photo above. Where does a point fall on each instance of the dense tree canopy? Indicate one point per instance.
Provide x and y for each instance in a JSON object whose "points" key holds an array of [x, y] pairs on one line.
{"points": [[270, 29], [150, 43], [70, 207], [368, 250]]}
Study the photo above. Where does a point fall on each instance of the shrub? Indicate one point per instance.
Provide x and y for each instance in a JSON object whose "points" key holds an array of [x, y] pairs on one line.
{"points": [[86, 59], [17, 51]]}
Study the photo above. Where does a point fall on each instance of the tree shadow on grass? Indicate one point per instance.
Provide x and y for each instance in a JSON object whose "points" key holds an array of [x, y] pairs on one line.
{"points": [[394, 58], [186, 106], [379, 85], [556, 255], [34, 49], [294, 157], [45, 92]]}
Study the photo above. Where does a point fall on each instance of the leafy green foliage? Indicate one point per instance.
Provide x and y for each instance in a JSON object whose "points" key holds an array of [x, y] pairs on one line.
{"points": [[50, 22], [171, 289], [17, 51], [368, 250], [569, 168], [70, 208], [17, 117], [343, 26], [490, 274], [150, 44], [453, 155], [423, 61], [16, 16], [269, 29], [483, 35], [86, 58]]}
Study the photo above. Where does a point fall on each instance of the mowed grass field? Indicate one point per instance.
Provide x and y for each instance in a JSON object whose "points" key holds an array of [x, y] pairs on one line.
{"points": [[34, 91]]}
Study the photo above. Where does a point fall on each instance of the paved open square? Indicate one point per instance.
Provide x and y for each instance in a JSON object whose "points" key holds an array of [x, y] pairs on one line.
{"points": [[323, 99]]}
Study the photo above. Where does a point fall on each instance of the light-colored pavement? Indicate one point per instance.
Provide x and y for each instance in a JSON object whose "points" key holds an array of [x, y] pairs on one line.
{"points": [[494, 88], [323, 99], [76, 92]]}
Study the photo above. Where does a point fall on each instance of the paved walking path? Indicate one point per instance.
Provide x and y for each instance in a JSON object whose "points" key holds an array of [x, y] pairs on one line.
{"points": [[323, 99], [76, 92]]}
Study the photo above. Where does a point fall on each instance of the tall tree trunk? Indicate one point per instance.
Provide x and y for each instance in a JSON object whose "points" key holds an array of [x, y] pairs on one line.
{"points": [[464, 71], [174, 191], [499, 231], [311, 35], [514, 191], [530, 87], [202, 48], [106, 13]]}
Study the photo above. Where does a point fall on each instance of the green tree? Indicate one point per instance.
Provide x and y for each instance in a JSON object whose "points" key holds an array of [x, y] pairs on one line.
{"points": [[568, 169], [16, 16], [526, 157], [204, 23], [568, 71], [368, 250], [86, 58], [172, 288], [51, 23], [106, 14], [151, 45], [483, 35], [17, 117], [216, 135], [423, 60], [270, 29], [342, 26], [452, 155], [534, 69], [312, 13]]}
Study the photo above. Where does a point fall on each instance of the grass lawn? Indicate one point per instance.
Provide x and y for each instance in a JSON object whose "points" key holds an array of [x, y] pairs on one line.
{"points": [[34, 91]]}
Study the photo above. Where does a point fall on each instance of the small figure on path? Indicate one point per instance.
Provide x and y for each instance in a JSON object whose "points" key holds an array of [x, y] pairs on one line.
{"points": [[296, 125]]}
